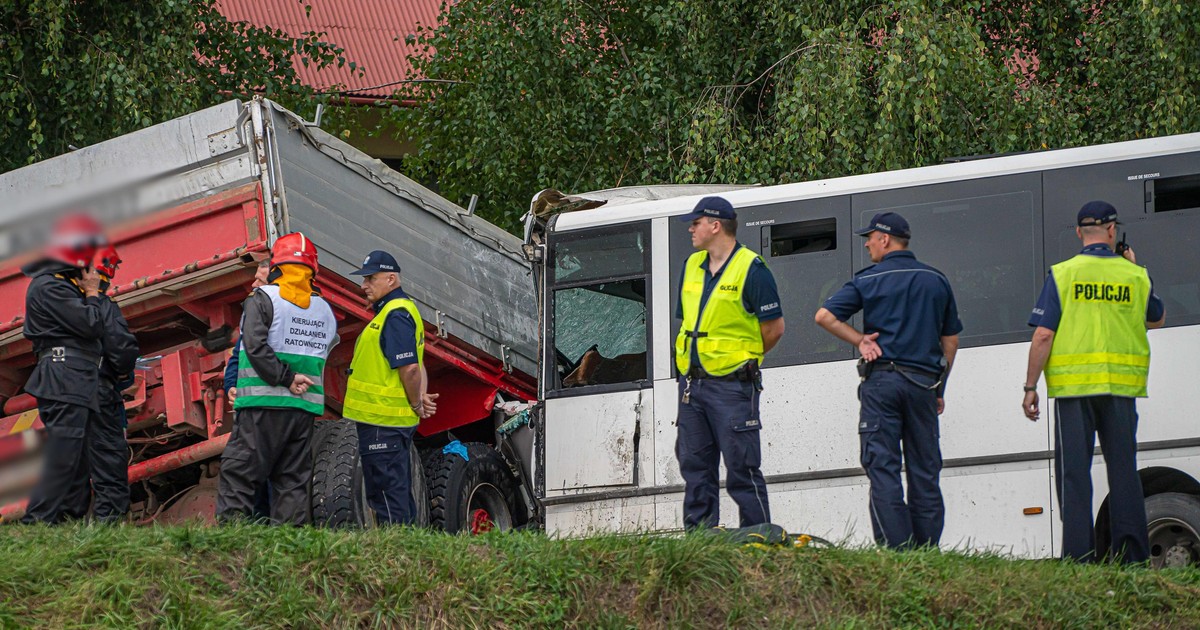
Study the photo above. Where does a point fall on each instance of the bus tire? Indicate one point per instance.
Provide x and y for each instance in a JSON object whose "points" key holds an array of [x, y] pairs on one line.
{"points": [[473, 495], [337, 493], [1173, 524]]}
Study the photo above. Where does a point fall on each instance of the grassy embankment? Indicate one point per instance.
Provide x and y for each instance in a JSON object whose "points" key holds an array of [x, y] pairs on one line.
{"points": [[249, 576]]}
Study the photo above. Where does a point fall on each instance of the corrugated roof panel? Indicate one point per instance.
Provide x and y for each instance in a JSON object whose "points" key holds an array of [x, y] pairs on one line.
{"points": [[372, 33]]}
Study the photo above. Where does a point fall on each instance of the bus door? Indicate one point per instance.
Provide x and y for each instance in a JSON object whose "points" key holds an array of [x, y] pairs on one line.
{"points": [[598, 357]]}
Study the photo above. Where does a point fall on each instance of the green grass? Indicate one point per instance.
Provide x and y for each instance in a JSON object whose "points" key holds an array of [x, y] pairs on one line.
{"points": [[251, 576]]}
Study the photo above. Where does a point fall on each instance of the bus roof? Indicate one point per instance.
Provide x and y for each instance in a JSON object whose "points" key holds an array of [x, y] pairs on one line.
{"points": [[976, 169]]}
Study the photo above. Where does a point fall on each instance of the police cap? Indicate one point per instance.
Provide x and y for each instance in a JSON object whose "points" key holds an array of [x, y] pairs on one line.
{"points": [[376, 262], [711, 207], [888, 223], [1096, 213]]}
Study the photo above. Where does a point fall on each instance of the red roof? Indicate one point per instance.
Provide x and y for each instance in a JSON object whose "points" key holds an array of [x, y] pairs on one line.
{"points": [[372, 33]]}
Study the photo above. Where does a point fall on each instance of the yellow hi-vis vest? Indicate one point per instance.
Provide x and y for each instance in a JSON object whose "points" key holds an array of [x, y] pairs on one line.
{"points": [[374, 393], [725, 334], [1100, 346]]}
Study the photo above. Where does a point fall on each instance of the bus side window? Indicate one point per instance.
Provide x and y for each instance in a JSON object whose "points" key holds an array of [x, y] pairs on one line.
{"points": [[984, 235]]}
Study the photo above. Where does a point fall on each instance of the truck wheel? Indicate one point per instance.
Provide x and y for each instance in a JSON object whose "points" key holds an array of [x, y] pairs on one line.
{"points": [[472, 496], [1173, 521], [419, 490], [338, 496]]}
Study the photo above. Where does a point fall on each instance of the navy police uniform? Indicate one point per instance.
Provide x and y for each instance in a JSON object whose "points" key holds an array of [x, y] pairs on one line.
{"points": [[719, 416], [387, 468], [911, 306], [384, 451], [1078, 420]]}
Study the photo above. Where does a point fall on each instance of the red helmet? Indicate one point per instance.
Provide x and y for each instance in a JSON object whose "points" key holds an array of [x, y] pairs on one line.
{"points": [[294, 248], [107, 261], [74, 240]]}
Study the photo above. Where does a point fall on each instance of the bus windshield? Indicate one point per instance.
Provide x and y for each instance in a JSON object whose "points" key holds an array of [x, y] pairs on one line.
{"points": [[600, 324]]}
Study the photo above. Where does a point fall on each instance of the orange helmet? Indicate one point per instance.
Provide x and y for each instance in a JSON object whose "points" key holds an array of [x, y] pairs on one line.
{"points": [[74, 240], [107, 261], [294, 248]]}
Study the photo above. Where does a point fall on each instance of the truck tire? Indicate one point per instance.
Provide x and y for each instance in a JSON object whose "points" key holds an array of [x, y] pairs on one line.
{"points": [[338, 496], [419, 488], [471, 496], [1173, 521]]}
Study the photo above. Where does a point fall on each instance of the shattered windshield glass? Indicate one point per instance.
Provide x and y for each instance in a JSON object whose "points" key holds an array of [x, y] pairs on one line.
{"points": [[600, 328], [601, 256]]}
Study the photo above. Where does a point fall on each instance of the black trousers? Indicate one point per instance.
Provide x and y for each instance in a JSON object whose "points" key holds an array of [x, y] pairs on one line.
{"points": [[719, 420], [1077, 421], [267, 445], [104, 474], [55, 497], [387, 472], [898, 427]]}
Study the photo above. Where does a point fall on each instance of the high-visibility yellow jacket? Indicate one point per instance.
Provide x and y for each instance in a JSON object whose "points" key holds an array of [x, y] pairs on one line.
{"points": [[725, 334], [1100, 346], [374, 392]]}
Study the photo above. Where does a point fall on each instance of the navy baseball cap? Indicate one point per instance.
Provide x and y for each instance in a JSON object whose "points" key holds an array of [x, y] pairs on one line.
{"points": [[711, 207], [376, 262], [888, 223], [1096, 213]]}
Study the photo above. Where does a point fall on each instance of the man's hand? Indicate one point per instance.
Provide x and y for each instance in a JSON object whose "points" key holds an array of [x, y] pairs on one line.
{"points": [[868, 348], [1030, 406], [300, 384], [90, 282], [428, 404], [1129, 255], [941, 405], [231, 395]]}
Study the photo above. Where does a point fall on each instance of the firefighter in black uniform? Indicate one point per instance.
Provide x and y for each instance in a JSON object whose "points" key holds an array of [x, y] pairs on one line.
{"points": [[64, 321], [106, 450]]}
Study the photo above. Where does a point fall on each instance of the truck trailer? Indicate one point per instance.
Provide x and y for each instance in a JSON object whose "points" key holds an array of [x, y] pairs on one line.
{"points": [[193, 204]]}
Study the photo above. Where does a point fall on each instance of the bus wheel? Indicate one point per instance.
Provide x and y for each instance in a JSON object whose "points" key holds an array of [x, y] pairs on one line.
{"points": [[1173, 521], [339, 498], [472, 496]]}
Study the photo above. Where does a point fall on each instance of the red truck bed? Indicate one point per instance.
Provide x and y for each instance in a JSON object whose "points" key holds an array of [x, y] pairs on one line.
{"points": [[187, 270]]}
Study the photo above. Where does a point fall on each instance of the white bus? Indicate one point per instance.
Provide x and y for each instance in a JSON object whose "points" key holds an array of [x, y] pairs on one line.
{"points": [[608, 287]]}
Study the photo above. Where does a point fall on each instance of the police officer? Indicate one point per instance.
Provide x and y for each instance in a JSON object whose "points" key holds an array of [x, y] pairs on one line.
{"points": [[386, 393], [731, 316], [288, 332], [1091, 320], [64, 321], [909, 338], [106, 450]]}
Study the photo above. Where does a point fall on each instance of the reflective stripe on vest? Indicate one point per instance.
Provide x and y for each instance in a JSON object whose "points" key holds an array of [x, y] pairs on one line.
{"points": [[1100, 346], [374, 392], [727, 335], [300, 338]]}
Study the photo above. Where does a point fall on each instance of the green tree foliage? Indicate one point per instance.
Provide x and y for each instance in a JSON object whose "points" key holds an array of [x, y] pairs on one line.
{"points": [[589, 94], [77, 72]]}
